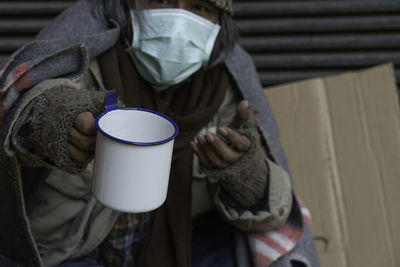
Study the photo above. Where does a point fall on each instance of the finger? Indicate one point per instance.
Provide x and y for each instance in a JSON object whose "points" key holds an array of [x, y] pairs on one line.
{"points": [[225, 152], [213, 158], [202, 142], [83, 142], [81, 158], [239, 142], [202, 158], [85, 123], [243, 111]]}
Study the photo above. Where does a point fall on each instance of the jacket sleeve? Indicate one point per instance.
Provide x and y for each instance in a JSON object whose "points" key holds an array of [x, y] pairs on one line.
{"points": [[254, 193], [245, 180], [270, 213], [40, 135]]}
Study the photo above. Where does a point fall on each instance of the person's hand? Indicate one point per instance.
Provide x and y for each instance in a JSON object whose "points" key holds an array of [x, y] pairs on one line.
{"points": [[213, 152], [82, 139]]}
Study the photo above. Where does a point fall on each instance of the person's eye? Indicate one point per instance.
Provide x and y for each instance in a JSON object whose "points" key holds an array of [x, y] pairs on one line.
{"points": [[200, 8], [160, 2]]}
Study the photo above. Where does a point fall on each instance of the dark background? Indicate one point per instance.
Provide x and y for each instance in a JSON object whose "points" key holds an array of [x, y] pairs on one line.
{"points": [[289, 40]]}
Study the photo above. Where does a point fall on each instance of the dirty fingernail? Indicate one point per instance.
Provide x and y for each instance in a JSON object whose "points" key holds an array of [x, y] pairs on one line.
{"points": [[210, 138], [223, 131], [201, 139]]}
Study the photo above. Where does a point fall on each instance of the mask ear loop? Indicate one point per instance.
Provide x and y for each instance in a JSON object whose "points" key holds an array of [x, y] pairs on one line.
{"points": [[135, 17], [127, 42], [129, 22], [217, 55]]}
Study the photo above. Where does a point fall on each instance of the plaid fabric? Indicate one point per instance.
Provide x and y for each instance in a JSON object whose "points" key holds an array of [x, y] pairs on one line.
{"points": [[118, 250]]}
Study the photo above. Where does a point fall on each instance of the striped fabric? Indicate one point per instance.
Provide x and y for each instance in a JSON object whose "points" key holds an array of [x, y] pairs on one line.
{"points": [[14, 83], [267, 247]]}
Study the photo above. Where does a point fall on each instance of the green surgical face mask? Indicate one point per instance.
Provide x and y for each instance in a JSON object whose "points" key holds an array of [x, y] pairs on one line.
{"points": [[171, 44]]}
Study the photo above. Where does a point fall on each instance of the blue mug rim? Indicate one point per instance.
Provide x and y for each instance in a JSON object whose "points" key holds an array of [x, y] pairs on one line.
{"points": [[176, 130]]}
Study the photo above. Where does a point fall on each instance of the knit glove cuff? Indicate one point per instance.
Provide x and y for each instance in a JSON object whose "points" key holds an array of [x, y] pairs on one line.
{"points": [[52, 117], [246, 179]]}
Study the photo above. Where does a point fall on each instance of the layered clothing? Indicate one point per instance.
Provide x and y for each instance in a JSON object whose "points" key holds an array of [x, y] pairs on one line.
{"points": [[65, 49]]}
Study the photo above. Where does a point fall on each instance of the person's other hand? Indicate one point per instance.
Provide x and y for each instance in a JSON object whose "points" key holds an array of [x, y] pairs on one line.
{"points": [[82, 139], [213, 152]]}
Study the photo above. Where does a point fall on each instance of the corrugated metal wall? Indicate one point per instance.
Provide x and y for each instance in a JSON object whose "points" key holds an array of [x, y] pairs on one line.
{"points": [[20, 21], [289, 40]]}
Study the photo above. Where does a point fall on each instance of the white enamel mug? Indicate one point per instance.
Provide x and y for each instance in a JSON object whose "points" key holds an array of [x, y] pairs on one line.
{"points": [[133, 157]]}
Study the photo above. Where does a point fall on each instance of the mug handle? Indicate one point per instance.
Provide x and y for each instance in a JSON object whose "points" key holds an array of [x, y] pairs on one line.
{"points": [[111, 101]]}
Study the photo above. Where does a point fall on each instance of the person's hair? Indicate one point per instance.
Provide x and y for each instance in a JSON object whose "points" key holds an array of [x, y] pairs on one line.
{"points": [[118, 11], [225, 41]]}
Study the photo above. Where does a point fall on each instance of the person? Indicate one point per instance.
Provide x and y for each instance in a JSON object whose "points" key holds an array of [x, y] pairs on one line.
{"points": [[230, 200]]}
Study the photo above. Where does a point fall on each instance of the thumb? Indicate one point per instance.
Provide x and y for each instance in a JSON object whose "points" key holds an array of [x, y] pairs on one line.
{"points": [[85, 123], [243, 111]]}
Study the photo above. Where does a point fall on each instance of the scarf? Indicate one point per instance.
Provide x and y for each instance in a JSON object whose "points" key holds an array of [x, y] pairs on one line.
{"points": [[191, 105]]}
